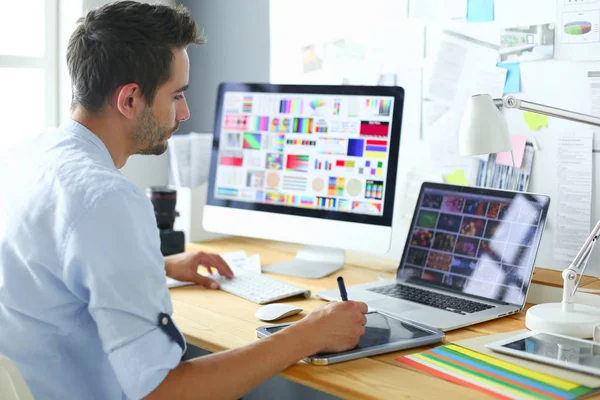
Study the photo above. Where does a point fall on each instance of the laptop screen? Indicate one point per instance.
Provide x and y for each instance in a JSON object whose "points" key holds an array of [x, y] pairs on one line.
{"points": [[481, 242]]}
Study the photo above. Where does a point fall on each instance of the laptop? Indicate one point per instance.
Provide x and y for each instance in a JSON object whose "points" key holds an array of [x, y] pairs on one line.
{"points": [[468, 258]]}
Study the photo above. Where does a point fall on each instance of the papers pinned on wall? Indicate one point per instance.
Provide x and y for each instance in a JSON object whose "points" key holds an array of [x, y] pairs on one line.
{"points": [[527, 43], [189, 159], [462, 66], [574, 210], [578, 30]]}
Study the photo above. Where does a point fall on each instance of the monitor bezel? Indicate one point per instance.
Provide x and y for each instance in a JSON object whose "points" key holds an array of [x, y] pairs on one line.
{"points": [[388, 204], [507, 194]]}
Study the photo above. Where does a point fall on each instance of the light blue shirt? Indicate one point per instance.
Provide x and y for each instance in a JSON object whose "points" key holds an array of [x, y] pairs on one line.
{"points": [[82, 278]]}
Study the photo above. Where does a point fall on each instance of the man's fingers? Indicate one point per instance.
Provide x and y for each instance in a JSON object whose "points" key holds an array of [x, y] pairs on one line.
{"points": [[215, 261], [206, 282], [363, 308], [221, 266]]}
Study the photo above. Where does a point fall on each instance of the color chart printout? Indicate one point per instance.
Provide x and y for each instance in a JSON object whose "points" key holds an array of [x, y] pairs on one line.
{"points": [[310, 151]]}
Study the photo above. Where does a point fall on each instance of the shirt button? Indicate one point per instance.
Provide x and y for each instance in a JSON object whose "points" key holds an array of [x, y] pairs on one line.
{"points": [[165, 321]]}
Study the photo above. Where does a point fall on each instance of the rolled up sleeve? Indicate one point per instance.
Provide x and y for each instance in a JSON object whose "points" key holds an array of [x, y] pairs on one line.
{"points": [[112, 261]]}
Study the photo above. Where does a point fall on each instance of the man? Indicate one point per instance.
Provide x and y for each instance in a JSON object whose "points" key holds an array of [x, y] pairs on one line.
{"points": [[84, 308]]}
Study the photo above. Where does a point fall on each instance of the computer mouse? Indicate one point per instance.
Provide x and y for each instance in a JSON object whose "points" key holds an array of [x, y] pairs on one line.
{"points": [[273, 312]]}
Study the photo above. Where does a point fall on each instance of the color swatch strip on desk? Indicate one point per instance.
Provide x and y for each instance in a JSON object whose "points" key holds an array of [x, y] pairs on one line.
{"points": [[492, 376]]}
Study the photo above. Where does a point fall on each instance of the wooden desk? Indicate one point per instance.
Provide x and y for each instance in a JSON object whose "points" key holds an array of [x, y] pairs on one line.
{"points": [[216, 321]]}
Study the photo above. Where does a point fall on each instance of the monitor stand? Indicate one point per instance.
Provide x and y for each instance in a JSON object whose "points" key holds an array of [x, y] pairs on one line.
{"points": [[310, 262]]}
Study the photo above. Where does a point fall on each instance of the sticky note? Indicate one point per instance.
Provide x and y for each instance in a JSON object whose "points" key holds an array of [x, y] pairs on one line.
{"points": [[513, 77], [480, 10], [457, 178], [535, 121], [518, 145]]}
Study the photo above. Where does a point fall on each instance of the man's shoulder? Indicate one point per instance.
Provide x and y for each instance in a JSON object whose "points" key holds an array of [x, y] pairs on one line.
{"points": [[70, 172]]}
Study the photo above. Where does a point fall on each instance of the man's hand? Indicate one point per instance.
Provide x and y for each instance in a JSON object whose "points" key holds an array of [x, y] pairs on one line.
{"points": [[184, 267], [339, 324]]}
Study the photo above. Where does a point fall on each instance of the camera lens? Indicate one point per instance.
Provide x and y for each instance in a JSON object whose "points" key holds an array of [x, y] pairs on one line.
{"points": [[164, 200]]}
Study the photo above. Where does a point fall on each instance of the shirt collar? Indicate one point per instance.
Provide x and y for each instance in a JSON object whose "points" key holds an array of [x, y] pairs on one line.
{"points": [[81, 131]]}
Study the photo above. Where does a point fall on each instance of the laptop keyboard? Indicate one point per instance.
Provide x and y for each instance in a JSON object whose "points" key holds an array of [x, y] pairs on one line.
{"points": [[432, 299]]}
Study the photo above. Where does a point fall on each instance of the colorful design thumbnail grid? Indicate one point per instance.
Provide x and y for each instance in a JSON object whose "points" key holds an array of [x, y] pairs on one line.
{"points": [[302, 125], [299, 142], [348, 165], [274, 161], [298, 163], [317, 103], [236, 122], [252, 141], [374, 190], [247, 104], [323, 165], [466, 240], [376, 148], [356, 147], [326, 203], [233, 140], [366, 204], [255, 179], [321, 127], [255, 139], [374, 128], [260, 124], [232, 158], [228, 192], [336, 186], [274, 142], [371, 168], [294, 183], [379, 106], [337, 104], [300, 201], [275, 197], [281, 125], [295, 106]]}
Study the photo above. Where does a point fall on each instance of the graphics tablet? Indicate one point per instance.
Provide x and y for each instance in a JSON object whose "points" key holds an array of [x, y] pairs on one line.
{"points": [[563, 351], [384, 334]]}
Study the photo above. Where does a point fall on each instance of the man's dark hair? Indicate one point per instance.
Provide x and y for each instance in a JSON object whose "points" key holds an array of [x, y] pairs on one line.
{"points": [[126, 42]]}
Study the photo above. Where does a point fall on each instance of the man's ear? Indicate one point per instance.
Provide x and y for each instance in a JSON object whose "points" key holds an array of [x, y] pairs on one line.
{"points": [[129, 99]]}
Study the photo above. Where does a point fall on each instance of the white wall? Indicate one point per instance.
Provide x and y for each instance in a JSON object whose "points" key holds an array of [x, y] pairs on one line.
{"points": [[556, 83]]}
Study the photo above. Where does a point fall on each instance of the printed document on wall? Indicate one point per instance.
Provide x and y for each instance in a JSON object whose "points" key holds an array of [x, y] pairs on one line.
{"points": [[458, 60], [594, 85], [574, 208], [578, 30]]}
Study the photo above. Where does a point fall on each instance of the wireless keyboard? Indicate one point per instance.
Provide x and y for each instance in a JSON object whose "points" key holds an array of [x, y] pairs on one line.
{"points": [[259, 288]]}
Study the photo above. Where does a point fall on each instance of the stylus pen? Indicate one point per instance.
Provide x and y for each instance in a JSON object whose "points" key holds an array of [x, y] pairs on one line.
{"points": [[342, 287]]}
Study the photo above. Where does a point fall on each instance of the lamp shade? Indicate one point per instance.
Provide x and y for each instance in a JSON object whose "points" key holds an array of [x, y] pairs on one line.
{"points": [[483, 129]]}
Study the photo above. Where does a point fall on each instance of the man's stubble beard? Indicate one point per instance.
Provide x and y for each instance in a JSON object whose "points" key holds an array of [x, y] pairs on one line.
{"points": [[150, 136]]}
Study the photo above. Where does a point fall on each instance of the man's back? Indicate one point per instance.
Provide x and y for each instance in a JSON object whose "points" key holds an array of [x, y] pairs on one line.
{"points": [[69, 242]]}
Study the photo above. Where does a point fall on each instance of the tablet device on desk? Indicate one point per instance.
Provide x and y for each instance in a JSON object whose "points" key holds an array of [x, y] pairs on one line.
{"points": [[550, 348], [383, 334]]}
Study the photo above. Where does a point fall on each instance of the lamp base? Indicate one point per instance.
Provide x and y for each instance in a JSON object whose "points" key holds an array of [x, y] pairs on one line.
{"points": [[551, 318]]}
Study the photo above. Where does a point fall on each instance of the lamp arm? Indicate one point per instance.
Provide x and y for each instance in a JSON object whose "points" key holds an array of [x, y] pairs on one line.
{"points": [[513, 102], [577, 267]]}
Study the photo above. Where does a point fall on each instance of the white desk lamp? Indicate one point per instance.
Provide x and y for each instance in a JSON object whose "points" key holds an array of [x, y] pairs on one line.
{"points": [[483, 131]]}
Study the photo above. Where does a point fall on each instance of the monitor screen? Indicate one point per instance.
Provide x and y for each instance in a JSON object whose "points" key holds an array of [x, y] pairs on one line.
{"points": [[481, 242], [316, 151]]}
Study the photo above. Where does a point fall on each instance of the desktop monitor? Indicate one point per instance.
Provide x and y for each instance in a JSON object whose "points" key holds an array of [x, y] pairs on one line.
{"points": [[314, 165]]}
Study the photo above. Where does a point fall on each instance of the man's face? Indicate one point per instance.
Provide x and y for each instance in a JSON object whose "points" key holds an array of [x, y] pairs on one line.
{"points": [[158, 122]]}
